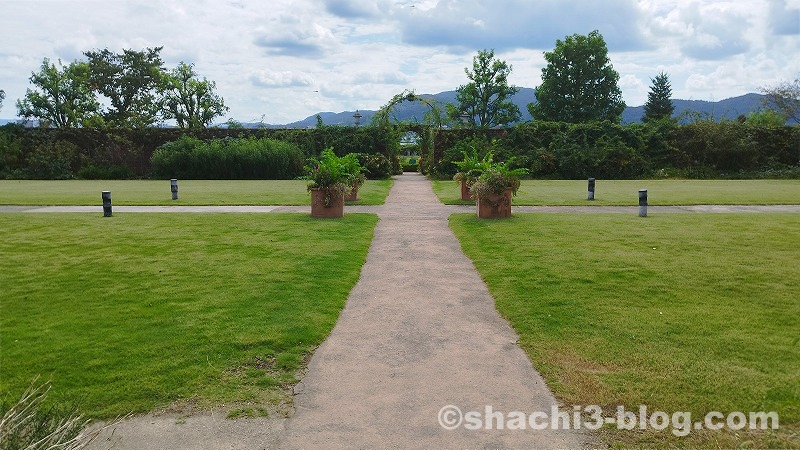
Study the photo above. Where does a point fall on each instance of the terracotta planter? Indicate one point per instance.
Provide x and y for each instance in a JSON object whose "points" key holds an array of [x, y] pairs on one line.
{"points": [[334, 209], [465, 191], [353, 195], [495, 205]]}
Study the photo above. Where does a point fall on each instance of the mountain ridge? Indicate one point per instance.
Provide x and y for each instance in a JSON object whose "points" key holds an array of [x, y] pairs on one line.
{"points": [[729, 109]]}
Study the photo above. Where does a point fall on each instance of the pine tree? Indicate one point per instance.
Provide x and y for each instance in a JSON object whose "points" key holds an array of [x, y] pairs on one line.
{"points": [[659, 105]]}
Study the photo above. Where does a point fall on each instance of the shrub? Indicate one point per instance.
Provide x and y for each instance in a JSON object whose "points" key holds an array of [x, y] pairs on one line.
{"points": [[114, 172], [227, 158], [377, 166], [52, 160]]}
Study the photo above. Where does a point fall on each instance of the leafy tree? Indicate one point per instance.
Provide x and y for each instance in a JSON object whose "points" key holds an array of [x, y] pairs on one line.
{"points": [[579, 84], [784, 98], [61, 96], [659, 104], [189, 100], [130, 81], [766, 117], [486, 98]]}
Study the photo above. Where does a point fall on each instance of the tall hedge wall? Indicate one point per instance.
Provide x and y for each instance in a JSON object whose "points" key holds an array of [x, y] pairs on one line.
{"points": [[548, 150], [126, 153], [608, 150]]}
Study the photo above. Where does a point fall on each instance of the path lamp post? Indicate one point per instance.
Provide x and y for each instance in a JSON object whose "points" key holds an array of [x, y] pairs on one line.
{"points": [[357, 117], [106, 196], [642, 202]]}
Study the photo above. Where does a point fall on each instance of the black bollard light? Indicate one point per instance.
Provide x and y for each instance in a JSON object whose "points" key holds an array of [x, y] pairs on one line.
{"points": [[642, 202], [591, 189], [106, 203], [174, 187]]}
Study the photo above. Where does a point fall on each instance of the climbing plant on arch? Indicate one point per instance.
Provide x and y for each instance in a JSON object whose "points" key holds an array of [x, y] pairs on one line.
{"points": [[433, 122]]}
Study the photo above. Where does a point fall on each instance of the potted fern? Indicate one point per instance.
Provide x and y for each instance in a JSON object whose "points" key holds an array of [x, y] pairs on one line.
{"points": [[328, 182], [356, 177], [494, 188], [469, 169]]}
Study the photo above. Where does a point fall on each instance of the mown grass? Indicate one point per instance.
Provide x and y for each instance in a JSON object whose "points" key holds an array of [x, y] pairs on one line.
{"points": [[190, 192], [659, 192], [140, 311], [679, 312]]}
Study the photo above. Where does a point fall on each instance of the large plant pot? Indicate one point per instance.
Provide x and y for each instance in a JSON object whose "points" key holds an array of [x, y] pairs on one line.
{"points": [[334, 209], [495, 205], [465, 191], [352, 196]]}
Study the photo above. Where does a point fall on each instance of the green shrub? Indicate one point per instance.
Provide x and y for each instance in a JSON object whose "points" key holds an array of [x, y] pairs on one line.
{"points": [[377, 166], [113, 172], [52, 160], [228, 158]]}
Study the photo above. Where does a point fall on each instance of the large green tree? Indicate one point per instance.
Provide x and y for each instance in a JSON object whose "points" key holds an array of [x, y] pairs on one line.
{"points": [[659, 99], [579, 84], [190, 101], [61, 96], [486, 98], [784, 98], [131, 81]]}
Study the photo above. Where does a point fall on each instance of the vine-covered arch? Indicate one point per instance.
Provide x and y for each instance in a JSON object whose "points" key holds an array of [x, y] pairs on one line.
{"points": [[426, 131], [433, 117]]}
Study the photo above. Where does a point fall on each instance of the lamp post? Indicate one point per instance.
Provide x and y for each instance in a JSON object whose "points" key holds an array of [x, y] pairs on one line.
{"points": [[465, 118], [357, 117]]}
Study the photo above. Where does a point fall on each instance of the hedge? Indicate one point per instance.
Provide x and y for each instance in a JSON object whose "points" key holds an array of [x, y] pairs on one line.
{"points": [[548, 150], [608, 150], [92, 153], [227, 159]]}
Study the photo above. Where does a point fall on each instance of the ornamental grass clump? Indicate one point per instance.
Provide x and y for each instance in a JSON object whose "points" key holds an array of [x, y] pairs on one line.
{"points": [[28, 423]]}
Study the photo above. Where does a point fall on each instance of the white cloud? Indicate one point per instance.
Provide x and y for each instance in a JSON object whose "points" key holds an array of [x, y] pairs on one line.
{"points": [[290, 59], [266, 78]]}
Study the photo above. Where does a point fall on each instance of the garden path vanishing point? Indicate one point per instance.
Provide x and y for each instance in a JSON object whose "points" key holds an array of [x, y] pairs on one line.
{"points": [[419, 332]]}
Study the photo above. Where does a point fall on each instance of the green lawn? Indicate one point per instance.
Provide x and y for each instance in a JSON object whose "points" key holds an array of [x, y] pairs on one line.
{"points": [[137, 311], [679, 312], [659, 192], [190, 192]]}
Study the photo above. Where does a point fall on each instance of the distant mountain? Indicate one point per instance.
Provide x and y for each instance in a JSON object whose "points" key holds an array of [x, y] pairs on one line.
{"points": [[730, 109]]}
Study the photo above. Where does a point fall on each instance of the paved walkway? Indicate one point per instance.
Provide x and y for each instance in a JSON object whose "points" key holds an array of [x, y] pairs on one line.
{"points": [[419, 332]]}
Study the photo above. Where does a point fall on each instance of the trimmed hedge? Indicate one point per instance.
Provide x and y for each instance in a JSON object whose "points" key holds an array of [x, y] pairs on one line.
{"points": [[612, 151], [93, 153], [228, 159], [547, 150]]}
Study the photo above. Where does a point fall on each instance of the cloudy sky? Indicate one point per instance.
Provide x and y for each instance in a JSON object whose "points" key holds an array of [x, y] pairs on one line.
{"points": [[283, 60]]}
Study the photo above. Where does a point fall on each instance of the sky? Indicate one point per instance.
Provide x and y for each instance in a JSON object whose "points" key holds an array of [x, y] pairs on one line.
{"points": [[279, 61]]}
